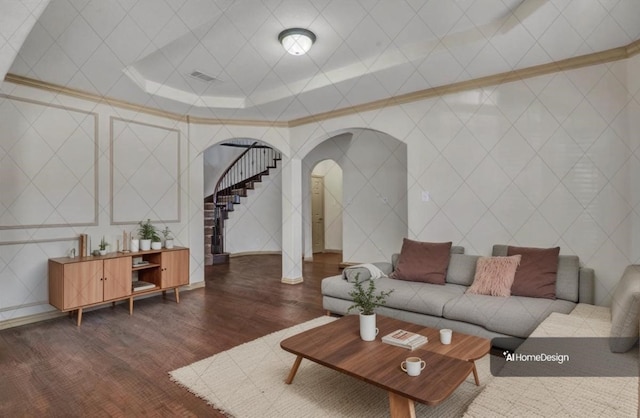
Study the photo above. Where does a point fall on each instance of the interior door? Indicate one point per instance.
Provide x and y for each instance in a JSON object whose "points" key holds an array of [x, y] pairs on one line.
{"points": [[317, 213]]}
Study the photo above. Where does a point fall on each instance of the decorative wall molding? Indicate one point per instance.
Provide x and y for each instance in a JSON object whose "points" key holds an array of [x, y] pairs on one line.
{"points": [[114, 201], [595, 58], [95, 167], [38, 241]]}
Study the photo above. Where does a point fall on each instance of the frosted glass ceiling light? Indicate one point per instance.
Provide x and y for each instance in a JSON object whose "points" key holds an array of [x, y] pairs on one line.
{"points": [[297, 41]]}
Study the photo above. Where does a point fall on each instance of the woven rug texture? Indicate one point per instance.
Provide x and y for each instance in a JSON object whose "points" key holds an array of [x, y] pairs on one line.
{"points": [[248, 381]]}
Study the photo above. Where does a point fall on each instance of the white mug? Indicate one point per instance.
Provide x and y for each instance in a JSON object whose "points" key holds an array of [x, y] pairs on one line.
{"points": [[445, 336], [413, 366]]}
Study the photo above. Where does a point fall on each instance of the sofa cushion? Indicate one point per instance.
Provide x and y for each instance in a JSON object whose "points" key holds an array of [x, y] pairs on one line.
{"points": [[462, 269], [515, 315], [362, 273], [423, 298], [536, 276], [419, 297], [455, 249], [423, 261], [568, 280], [625, 311], [494, 275]]}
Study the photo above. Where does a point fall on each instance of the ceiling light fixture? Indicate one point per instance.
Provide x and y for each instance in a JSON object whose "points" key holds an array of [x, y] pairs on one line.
{"points": [[297, 41]]}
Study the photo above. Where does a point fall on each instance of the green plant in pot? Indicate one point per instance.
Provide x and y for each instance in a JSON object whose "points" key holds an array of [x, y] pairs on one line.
{"points": [[102, 247], [147, 233], [168, 238], [366, 301]]}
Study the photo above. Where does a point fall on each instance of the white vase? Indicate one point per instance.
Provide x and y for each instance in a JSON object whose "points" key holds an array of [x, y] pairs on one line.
{"points": [[145, 244], [368, 330], [156, 245], [168, 243], [102, 252], [135, 245]]}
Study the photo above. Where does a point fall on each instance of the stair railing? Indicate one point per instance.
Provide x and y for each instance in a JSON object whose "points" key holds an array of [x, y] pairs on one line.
{"points": [[248, 167]]}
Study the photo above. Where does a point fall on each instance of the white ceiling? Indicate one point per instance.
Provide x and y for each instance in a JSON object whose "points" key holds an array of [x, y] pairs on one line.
{"points": [[142, 51]]}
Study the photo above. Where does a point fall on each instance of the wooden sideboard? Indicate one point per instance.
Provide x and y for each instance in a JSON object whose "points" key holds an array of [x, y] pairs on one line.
{"points": [[81, 282]]}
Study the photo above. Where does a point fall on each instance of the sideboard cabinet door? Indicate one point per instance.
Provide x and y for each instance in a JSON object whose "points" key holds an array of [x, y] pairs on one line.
{"points": [[175, 268], [82, 284], [117, 278]]}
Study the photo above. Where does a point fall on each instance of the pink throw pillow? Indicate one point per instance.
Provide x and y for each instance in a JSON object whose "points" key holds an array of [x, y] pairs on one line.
{"points": [[494, 275]]}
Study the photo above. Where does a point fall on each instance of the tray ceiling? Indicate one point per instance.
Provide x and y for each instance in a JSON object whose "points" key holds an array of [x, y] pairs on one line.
{"points": [[145, 51]]}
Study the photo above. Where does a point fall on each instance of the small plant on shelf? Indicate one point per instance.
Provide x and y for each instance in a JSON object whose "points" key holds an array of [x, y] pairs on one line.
{"points": [[168, 238], [102, 247], [148, 236], [146, 230], [166, 233]]}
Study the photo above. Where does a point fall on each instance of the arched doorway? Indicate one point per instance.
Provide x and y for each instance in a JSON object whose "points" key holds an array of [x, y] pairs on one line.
{"points": [[326, 207], [242, 203], [374, 195]]}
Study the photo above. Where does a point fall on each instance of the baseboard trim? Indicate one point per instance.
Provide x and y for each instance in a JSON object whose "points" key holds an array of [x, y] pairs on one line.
{"points": [[31, 319], [234, 255], [45, 316], [290, 280]]}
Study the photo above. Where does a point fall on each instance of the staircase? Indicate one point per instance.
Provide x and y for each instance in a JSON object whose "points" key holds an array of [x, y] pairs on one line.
{"points": [[241, 175]]}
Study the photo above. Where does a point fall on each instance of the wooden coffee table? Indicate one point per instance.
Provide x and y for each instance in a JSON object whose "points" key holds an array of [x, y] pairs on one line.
{"points": [[338, 345]]}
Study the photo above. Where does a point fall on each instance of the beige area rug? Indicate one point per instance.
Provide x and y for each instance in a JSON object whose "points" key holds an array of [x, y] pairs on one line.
{"points": [[248, 381]]}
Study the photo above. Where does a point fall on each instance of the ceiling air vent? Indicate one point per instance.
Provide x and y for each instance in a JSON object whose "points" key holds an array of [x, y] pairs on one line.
{"points": [[202, 76]]}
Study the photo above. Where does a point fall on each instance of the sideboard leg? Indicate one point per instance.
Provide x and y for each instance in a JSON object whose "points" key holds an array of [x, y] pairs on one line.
{"points": [[79, 316], [131, 305], [177, 292]]}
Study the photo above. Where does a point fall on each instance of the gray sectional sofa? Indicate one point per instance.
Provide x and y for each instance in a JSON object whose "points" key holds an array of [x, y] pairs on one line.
{"points": [[448, 306]]}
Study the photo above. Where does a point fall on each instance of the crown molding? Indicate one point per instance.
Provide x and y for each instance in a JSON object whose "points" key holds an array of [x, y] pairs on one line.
{"points": [[633, 48], [595, 58], [613, 54]]}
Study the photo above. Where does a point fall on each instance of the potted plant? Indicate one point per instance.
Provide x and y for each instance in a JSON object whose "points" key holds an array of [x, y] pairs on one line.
{"points": [[168, 238], [102, 247], [147, 233], [366, 301]]}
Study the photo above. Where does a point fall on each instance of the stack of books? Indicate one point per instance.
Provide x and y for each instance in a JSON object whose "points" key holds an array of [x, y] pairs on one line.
{"points": [[139, 285], [405, 339]]}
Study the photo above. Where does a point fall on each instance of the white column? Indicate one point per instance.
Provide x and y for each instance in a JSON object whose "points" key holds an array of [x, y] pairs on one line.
{"points": [[292, 221]]}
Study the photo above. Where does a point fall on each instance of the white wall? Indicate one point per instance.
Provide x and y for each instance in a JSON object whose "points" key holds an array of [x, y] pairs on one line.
{"points": [[332, 179], [374, 167], [551, 160], [545, 161], [67, 167]]}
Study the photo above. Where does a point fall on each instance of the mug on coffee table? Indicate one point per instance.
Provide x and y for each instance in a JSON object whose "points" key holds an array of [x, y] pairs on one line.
{"points": [[413, 366], [445, 336]]}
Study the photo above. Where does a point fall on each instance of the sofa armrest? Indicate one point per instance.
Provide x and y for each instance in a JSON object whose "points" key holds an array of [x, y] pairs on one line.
{"points": [[586, 286]]}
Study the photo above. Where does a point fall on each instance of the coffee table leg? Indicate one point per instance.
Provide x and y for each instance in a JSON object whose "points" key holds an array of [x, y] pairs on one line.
{"points": [[294, 370], [475, 373], [401, 407]]}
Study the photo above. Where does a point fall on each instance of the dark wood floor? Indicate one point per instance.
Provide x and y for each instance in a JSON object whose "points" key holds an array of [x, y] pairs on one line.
{"points": [[117, 365]]}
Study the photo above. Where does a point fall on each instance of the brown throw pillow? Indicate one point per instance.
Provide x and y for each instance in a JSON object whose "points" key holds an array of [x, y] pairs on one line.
{"points": [[538, 271], [494, 275], [423, 261]]}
